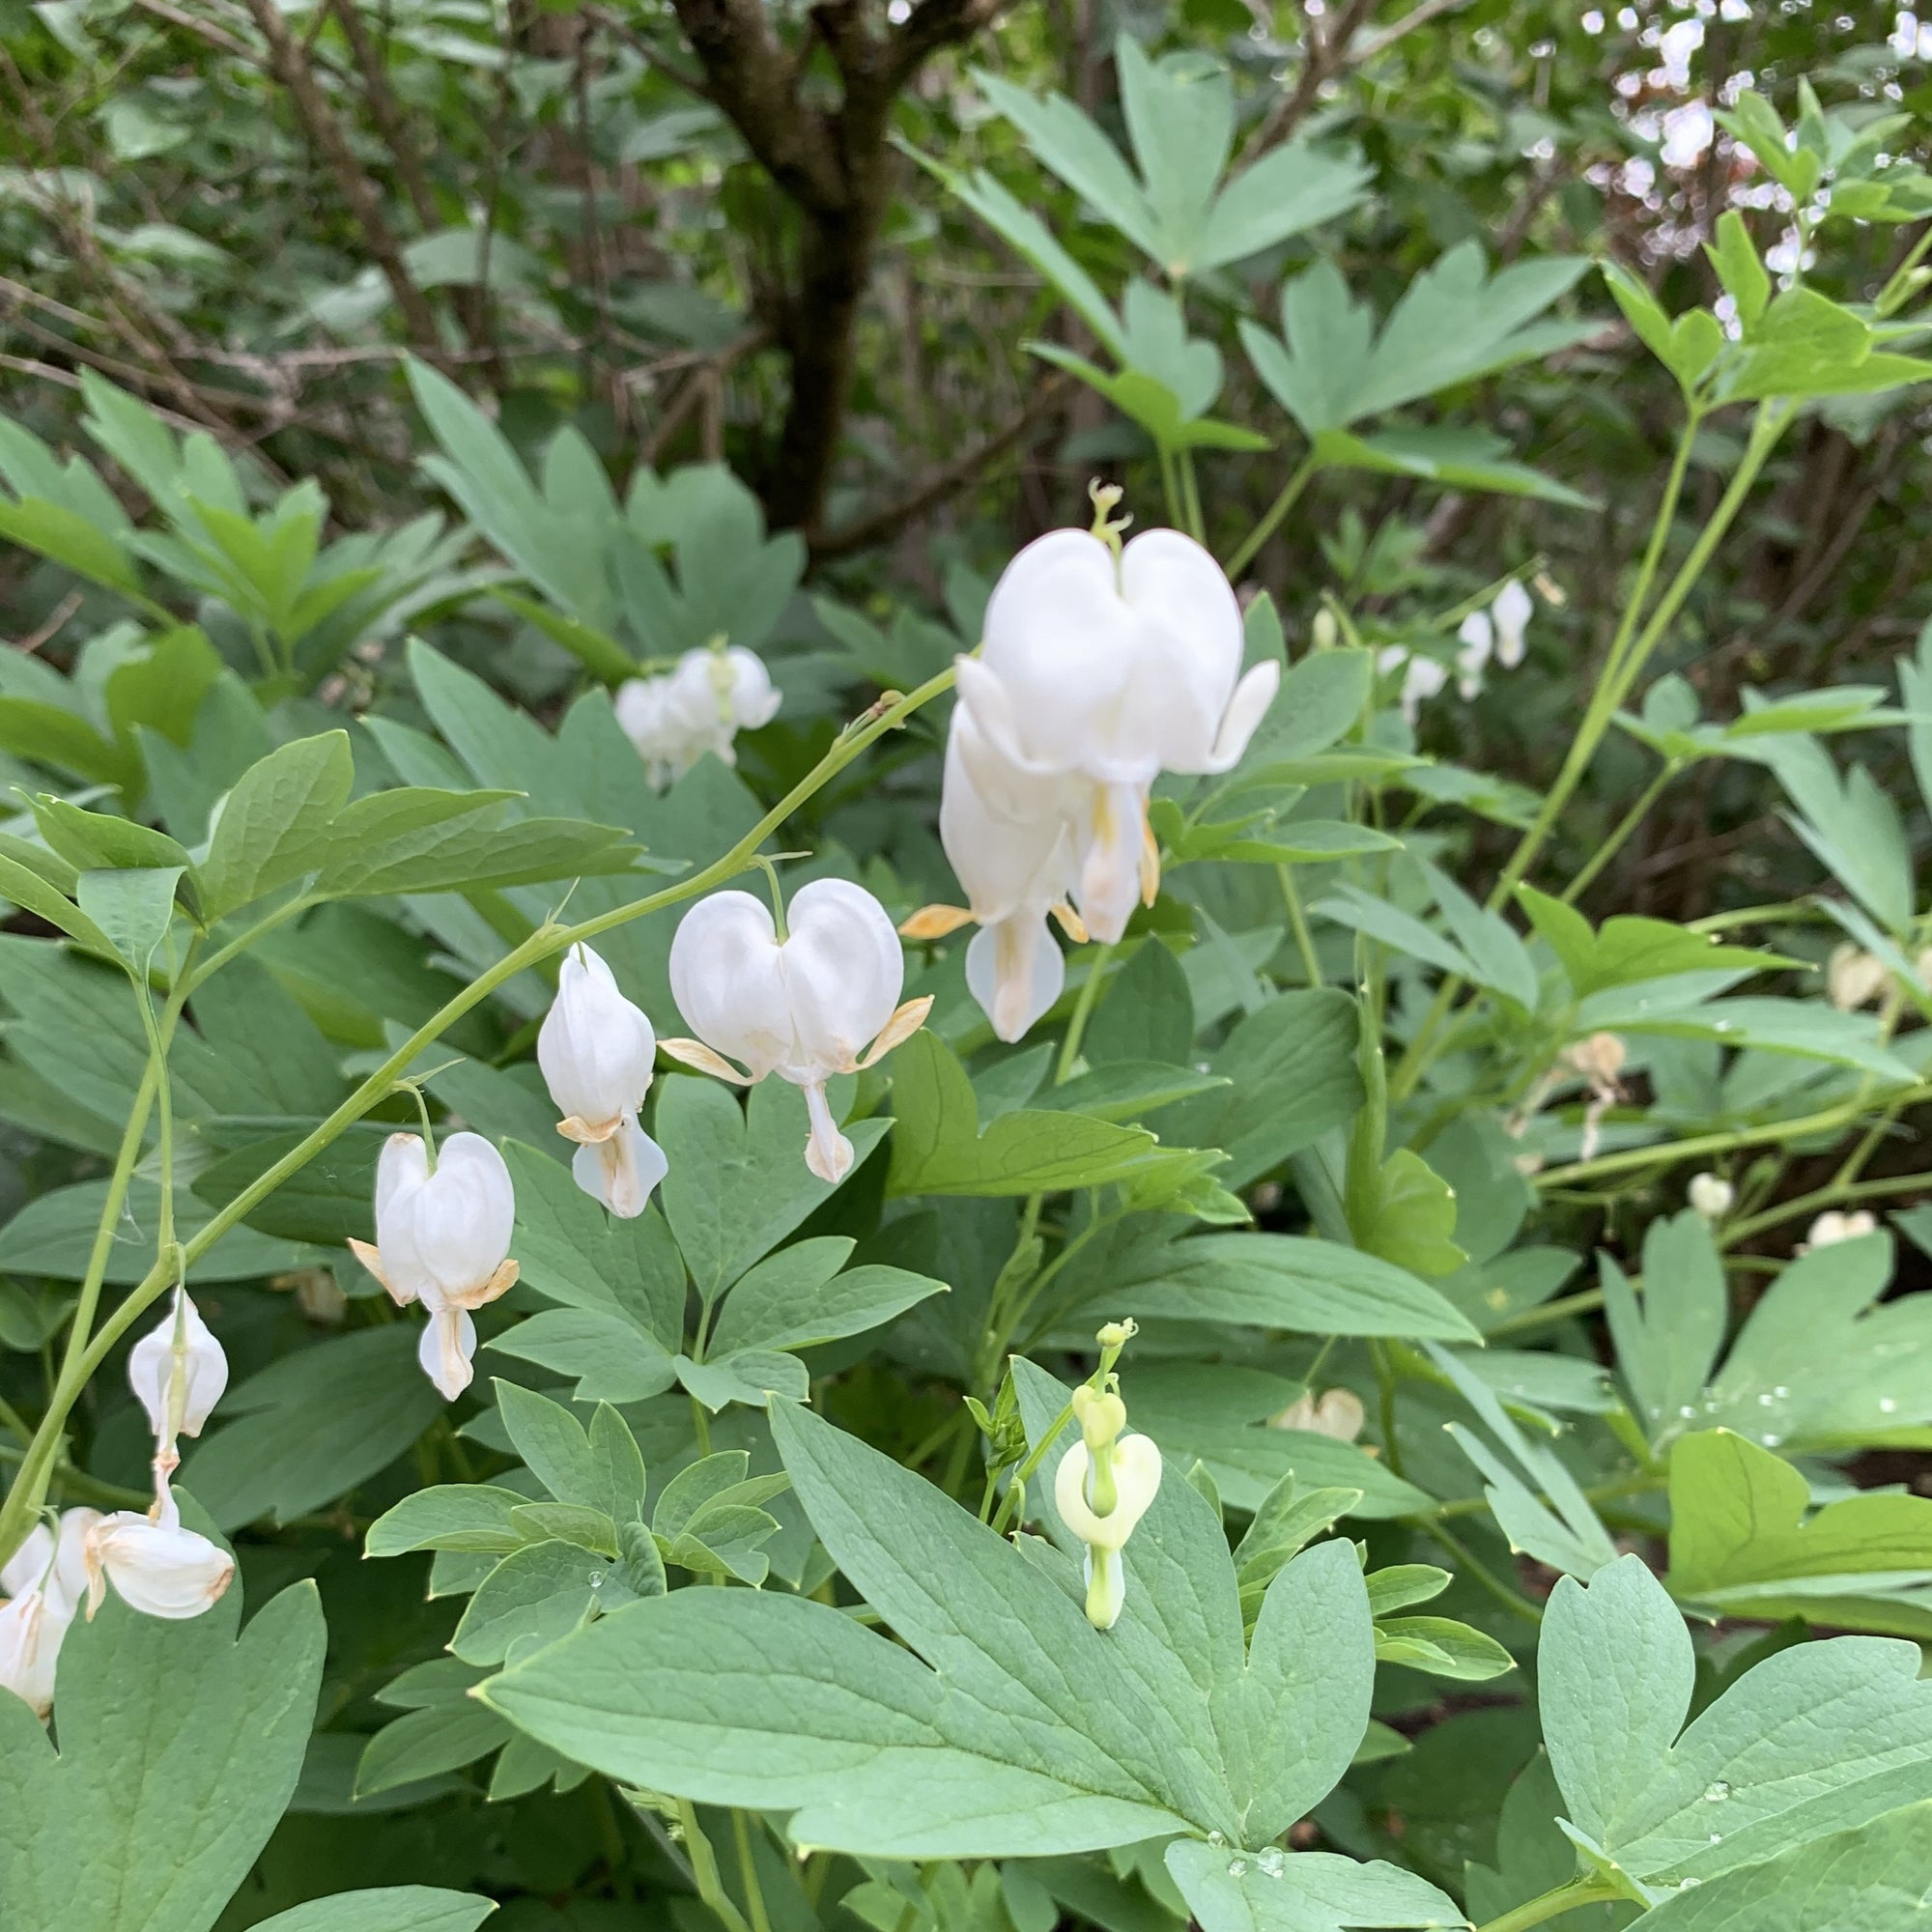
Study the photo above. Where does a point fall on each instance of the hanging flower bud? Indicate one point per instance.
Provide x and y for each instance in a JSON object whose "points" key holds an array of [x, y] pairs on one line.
{"points": [[1711, 1196], [156, 1566], [1338, 1412], [1853, 978], [1477, 637], [597, 1051], [1104, 666], [1103, 1487], [803, 1006], [177, 1371], [443, 1239], [1836, 1225], [1510, 614], [1423, 679]]}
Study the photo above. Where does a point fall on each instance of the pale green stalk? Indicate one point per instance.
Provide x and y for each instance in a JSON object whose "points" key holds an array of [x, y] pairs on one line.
{"points": [[1291, 492], [1552, 1904]]}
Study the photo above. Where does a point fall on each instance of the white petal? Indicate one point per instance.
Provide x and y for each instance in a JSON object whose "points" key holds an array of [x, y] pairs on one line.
{"points": [[30, 1629], [1245, 710], [827, 1151], [622, 1171], [596, 1048], [1009, 846], [1110, 870], [729, 983], [1016, 971], [1190, 644], [752, 700], [157, 1567], [23, 1570], [843, 971], [400, 1174], [448, 1344], [1511, 611], [464, 1215]]}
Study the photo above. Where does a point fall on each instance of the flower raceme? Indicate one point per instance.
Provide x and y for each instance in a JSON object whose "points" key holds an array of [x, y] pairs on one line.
{"points": [[699, 707], [801, 1003], [1102, 667], [597, 1051], [1103, 1487], [442, 1238]]}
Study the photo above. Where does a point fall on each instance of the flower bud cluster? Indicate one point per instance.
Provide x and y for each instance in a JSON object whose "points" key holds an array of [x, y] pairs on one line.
{"points": [[1102, 667], [699, 707], [1493, 635]]}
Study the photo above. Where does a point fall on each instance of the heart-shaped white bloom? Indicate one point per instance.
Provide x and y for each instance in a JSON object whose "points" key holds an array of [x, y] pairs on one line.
{"points": [[597, 1051], [676, 716], [1511, 613], [1836, 1225], [1478, 639], [443, 1239], [803, 1008], [1711, 1196], [1136, 1466], [177, 1371], [1422, 678], [156, 1566]]}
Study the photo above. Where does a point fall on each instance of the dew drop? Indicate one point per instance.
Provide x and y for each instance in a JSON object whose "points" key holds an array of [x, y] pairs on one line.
{"points": [[1781, 1392], [1716, 1793], [1717, 1838], [596, 1579], [1238, 1867], [1770, 1441], [1685, 1884], [1886, 1405], [1686, 1414], [1764, 1402], [1217, 1841], [1273, 1862]]}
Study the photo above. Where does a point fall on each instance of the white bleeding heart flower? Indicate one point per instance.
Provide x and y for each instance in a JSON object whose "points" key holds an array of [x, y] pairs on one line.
{"points": [[1836, 1225], [156, 1565], [1711, 1196], [597, 1052], [1422, 678], [1478, 639], [177, 1371], [803, 1006], [676, 716], [1510, 614], [44, 1582], [1103, 1487], [443, 1239], [1102, 669]]}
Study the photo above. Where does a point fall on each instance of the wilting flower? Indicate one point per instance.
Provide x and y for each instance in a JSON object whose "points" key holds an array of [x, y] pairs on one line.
{"points": [[1853, 978], [1711, 1196], [596, 1050], [699, 707], [1836, 1225], [177, 1371], [1336, 1412], [1103, 1487], [443, 1239], [803, 1006], [1599, 1059], [156, 1566], [43, 1582]]}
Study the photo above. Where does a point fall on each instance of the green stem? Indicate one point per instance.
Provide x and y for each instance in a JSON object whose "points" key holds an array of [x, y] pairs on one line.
{"points": [[241, 941], [1626, 1159], [1082, 1012], [1480, 1571], [1190, 497], [1552, 1904], [86, 1354], [1298, 920], [748, 1870], [1169, 487], [1624, 826], [1271, 516], [704, 1869], [1815, 1203]]}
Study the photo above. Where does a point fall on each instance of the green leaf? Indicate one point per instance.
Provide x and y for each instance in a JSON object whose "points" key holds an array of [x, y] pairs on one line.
{"points": [[1301, 1891], [31, 892], [536, 1595], [132, 910], [1821, 1738], [449, 1516], [938, 1148], [399, 1908], [611, 1357], [312, 1426], [1740, 1541], [1667, 1345], [1872, 1877], [278, 821], [180, 1747], [1459, 458], [1287, 1281], [600, 1468], [737, 1186], [1626, 951], [797, 1298], [1442, 1647], [98, 840]]}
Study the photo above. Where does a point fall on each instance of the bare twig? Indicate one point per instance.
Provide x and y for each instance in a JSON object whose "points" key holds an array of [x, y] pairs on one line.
{"points": [[386, 111]]}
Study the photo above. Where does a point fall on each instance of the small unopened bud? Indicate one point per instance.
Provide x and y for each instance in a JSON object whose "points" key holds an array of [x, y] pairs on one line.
{"points": [[1853, 978], [1324, 634], [1118, 1334], [1836, 1225], [1101, 1417], [1711, 1196]]}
